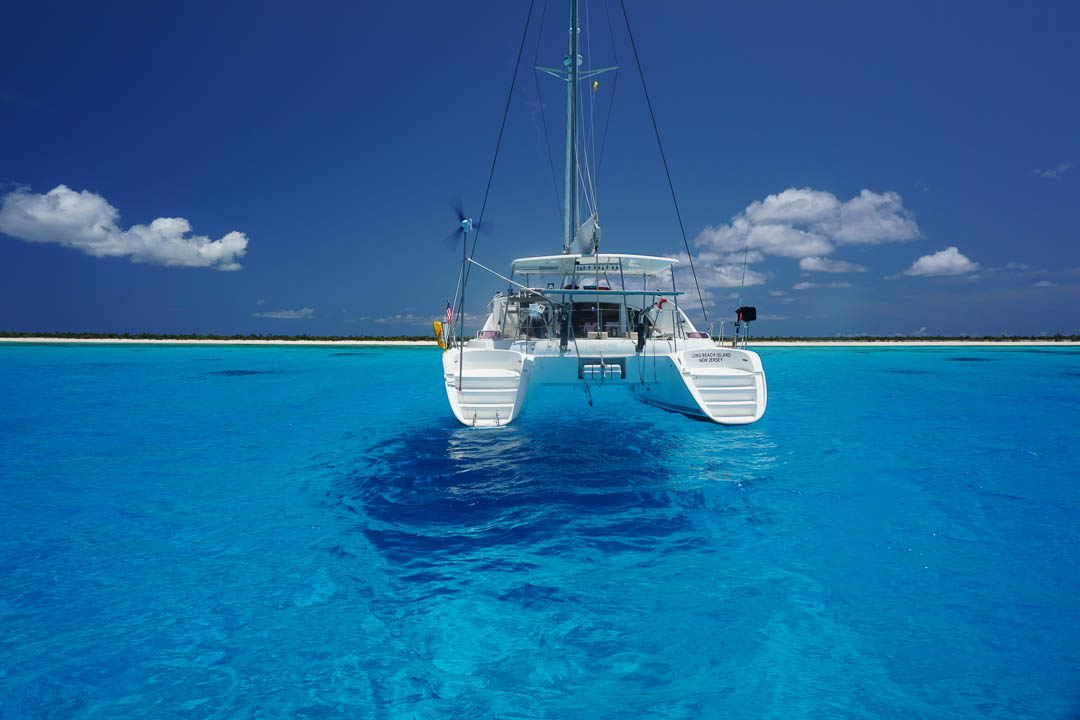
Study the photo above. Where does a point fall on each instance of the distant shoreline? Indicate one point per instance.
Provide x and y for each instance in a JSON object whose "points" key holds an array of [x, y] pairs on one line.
{"points": [[431, 343]]}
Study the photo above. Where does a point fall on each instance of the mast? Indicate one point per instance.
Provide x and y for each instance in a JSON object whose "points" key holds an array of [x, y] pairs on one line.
{"points": [[571, 64], [571, 73]]}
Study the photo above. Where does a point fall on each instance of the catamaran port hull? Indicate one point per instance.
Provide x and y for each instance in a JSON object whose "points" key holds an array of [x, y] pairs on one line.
{"points": [[695, 377]]}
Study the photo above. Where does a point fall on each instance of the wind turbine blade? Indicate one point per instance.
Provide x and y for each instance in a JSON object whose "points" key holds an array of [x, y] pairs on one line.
{"points": [[451, 240], [457, 207]]}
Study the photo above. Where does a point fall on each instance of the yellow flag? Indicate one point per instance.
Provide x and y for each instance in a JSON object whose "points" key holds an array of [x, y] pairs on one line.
{"points": [[594, 84]]}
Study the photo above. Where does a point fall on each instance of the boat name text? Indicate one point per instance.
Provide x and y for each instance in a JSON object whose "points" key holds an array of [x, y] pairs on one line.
{"points": [[709, 357]]}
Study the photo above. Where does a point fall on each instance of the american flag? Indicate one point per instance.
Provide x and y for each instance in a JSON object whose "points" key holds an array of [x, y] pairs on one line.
{"points": [[449, 315]]}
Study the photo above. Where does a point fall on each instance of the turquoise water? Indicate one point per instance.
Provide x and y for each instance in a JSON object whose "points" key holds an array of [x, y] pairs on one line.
{"points": [[303, 532]]}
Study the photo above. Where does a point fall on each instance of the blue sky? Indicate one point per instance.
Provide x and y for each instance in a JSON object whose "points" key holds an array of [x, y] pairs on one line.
{"points": [[894, 169]]}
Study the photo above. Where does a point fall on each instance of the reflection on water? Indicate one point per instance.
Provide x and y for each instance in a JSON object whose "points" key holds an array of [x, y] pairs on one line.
{"points": [[445, 490]]}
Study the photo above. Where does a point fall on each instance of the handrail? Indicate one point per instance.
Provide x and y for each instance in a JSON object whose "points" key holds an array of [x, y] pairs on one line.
{"points": [[569, 291]]}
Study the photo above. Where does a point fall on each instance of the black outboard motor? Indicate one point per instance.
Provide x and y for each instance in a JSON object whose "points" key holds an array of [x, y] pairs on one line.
{"points": [[641, 330], [745, 314], [564, 328]]}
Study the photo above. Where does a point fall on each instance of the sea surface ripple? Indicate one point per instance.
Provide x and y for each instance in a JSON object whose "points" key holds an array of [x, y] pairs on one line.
{"points": [[304, 532]]}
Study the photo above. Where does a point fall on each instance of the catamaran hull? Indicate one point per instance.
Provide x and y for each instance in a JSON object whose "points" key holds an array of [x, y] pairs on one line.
{"points": [[698, 379]]}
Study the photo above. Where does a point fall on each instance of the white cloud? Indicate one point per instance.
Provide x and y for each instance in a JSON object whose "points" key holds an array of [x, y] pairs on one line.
{"points": [[803, 223], [1046, 283], [87, 222], [808, 285], [725, 276], [738, 258], [1055, 173], [825, 265], [287, 314], [788, 241], [949, 261], [793, 207], [715, 271], [872, 219]]}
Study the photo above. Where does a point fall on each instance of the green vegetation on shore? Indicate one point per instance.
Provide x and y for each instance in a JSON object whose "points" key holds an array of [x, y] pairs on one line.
{"points": [[399, 338]]}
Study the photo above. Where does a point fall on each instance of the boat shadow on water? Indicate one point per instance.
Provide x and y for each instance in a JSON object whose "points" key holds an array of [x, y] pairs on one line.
{"points": [[441, 491]]}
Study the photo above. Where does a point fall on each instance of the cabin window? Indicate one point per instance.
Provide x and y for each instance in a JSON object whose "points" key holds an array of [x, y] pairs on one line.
{"points": [[529, 320], [590, 317]]}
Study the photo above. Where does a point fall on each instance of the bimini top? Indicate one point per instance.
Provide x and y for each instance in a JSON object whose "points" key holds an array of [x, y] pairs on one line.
{"points": [[631, 265]]}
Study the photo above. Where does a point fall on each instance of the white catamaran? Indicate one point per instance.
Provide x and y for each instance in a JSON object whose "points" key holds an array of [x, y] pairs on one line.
{"points": [[591, 319]]}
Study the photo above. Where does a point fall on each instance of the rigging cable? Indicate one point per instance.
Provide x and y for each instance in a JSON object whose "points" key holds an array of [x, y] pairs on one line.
{"points": [[543, 117], [592, 101], [671, 185], [611, 102], [583, 168], [498, 144], [746, 251]]}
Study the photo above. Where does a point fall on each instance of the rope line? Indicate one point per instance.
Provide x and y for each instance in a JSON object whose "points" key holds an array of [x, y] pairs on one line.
{"points": [[671, 185]]}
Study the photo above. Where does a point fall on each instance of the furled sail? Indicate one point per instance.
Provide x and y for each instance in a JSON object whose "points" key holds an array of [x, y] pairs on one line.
{"points": [[587, 239]]}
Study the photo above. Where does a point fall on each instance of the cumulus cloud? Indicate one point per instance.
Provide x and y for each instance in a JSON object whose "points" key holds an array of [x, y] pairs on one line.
{"points": [[287, 314], [872, 219], [802, 222], [715, 270], [826, 265], [1055, 172], [86, 221], [738, 258], [949, 261], [725, 276]]}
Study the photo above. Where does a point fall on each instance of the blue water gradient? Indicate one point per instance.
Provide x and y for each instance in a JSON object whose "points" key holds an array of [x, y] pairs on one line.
{"points": [[306, 532]]}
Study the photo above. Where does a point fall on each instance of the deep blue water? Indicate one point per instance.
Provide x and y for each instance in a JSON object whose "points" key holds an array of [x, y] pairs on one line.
{"points": [[297, 532]]}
